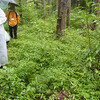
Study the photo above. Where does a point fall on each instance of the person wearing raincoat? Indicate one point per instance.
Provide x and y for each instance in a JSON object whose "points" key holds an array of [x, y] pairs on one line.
{"points": [[3, 47]]}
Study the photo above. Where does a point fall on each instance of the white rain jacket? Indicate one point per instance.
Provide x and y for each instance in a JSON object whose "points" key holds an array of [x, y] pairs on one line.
{"points": [[3, 48]]}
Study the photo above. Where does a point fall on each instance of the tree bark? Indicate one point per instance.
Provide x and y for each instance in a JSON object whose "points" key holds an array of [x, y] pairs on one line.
{"points": [[68, 12], [44, 5], [61, 21], [50, 8], [98, 11], [56, 4]]}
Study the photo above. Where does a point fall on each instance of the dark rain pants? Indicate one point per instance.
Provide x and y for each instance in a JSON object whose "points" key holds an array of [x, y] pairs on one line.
{"points": [[11, 29]]}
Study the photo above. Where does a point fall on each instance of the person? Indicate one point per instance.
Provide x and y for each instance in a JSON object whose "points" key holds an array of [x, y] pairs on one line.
{"points": [[7, 37], [13, 21], [3, 47]]}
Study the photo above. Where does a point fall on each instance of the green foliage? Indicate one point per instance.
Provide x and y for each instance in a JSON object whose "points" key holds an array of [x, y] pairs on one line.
{"points": [[10, 85], [40, 66], [78, 20]]}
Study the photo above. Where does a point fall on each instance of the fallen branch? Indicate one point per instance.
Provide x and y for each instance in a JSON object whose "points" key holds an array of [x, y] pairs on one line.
{"points": [[67, 96]]}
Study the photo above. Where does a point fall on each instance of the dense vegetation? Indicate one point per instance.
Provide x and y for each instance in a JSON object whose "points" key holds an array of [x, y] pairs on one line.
{"points": [[40, 66]]}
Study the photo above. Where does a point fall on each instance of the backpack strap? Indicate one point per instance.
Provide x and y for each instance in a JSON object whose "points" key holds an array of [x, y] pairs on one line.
{"points": [[16, 14], [8, 16], [10, 12]]}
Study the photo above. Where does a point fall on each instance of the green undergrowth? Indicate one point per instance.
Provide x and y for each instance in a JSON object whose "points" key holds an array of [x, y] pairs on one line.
{"points": [[40, 65]]}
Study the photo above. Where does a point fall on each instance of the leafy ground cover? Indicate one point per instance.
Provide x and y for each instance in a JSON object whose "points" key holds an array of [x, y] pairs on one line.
{"points": [[40, 66]]}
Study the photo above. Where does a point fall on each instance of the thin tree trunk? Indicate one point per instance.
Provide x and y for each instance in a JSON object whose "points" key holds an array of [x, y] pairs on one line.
{"points": [[98, 11], [56, 4], [92, 6], [50, 8], [68, 12], [61, 21], [44, 4]]}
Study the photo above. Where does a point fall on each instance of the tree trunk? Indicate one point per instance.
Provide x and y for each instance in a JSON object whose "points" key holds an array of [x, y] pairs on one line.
{"points": [[44, 4], [92, 7], [56, 4], [68, 12], [50, 8], [98, 11], [61, 21]]}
